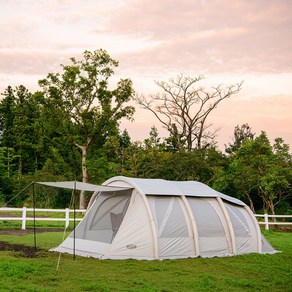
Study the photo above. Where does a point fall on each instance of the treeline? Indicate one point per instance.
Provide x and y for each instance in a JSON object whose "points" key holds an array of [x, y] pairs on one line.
{"points": [[69, 130]]}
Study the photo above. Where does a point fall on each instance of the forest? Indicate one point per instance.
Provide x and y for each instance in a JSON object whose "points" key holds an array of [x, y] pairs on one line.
{"points": [[70, 130]]}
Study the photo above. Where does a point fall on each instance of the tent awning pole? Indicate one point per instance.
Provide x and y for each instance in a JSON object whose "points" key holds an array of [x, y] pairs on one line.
{"points": [[34, 226], [74, 232]]}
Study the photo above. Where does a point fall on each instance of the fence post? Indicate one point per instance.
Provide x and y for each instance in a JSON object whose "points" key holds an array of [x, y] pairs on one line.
{"points": [[23, 218], [67, 217], [266, 222]]}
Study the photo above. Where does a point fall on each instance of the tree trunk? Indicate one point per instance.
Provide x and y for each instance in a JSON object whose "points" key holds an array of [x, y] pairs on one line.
{"points": [[272, 207], [250, 202], [36, 162], [189, 141], [82, 202], [20, 166], [265, 197], [8, 163]]}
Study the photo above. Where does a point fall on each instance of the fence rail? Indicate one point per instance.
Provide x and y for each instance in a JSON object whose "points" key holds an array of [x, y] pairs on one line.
{"points": [[267, 223], [24, 218]]}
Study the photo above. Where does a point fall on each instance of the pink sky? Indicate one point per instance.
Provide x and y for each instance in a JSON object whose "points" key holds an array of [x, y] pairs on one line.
{"points": [[226, 41]]}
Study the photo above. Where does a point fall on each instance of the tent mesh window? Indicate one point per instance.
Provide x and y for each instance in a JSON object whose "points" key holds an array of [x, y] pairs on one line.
{"points": [[244, 230], [169, 215], [106, 216], [211, 226]]}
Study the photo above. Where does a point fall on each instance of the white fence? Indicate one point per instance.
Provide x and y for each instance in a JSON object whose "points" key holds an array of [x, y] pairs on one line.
{"points": [[24, 218], [267, 223]]}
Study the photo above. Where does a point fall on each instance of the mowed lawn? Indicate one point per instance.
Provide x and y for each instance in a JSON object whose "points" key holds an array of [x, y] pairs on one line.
{"points": [[252, 272]]}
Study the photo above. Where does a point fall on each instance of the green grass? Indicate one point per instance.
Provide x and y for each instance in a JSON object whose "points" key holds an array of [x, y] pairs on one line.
{"points": [[252, 272], [7, 225]]}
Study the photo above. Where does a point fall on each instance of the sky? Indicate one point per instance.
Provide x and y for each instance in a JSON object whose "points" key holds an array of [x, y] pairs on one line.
{"points": [[225, 41]]}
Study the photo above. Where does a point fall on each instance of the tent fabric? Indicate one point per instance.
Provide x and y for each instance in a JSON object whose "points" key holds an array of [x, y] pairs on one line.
{"points": [[159, 219], [175, 188]]}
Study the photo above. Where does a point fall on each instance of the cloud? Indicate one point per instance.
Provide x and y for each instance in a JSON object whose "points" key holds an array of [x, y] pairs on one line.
{"points": [[269, 113], [205, 36], [220, 35], [156, 40], [30, 61]]}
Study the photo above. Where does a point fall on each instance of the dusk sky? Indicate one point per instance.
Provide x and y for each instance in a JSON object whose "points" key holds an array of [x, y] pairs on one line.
{"points": [[226, 41]]}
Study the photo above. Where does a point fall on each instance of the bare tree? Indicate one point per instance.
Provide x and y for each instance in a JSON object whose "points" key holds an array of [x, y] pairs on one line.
{"points": [[183, 108]]}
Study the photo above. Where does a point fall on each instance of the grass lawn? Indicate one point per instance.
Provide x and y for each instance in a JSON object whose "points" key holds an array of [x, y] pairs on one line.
{"points": [[252, 272]]}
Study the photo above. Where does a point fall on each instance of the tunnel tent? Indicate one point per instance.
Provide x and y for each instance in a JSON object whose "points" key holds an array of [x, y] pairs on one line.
{"points": [[159, 219]]}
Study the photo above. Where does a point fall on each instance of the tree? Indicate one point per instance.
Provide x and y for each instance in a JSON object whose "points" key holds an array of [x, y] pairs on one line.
{"points": [[183, 109], [83, 107], [153, 140], [241, 133], [259, 169], [21, 127], [6, 161], [7, 115], [240, 180]]}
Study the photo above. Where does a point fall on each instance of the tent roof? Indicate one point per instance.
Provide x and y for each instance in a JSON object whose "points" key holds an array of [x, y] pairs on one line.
{"points": [[147, 186], [76, 185], [170, 188]]}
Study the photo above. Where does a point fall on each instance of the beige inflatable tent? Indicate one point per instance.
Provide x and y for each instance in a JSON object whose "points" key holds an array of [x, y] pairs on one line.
{"points": [[158, 219]]}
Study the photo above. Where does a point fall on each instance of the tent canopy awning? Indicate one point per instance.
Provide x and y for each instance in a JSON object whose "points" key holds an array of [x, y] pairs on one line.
{"points": [[81, 186]]}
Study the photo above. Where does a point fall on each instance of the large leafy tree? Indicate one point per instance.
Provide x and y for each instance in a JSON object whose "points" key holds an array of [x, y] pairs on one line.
{"points": [[7, 114], [21, 127], [262, 171], [22, 138], [81, 105], [183, 109], [6, 163]]}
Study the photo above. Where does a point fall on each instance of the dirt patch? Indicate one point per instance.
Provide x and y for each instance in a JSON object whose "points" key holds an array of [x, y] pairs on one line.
{"points": [[26, 251], [23, 250], [3, 214], [287, 228]]}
